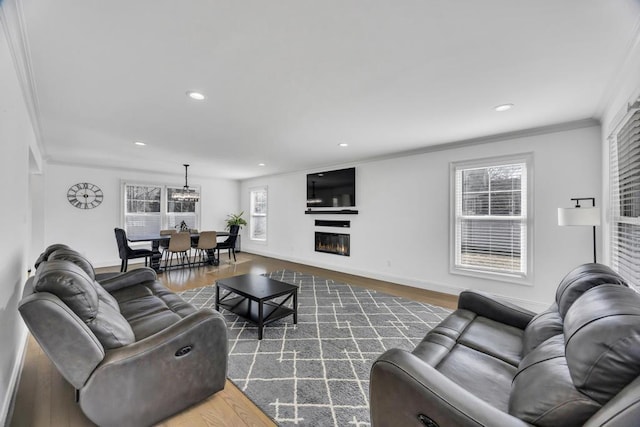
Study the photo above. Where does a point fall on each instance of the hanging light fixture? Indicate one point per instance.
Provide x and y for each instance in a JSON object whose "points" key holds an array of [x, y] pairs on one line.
{"points": [[186, 194]]}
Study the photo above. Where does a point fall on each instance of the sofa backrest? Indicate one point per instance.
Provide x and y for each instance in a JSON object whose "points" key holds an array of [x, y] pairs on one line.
{"points": [[87, 299], [44, 256], [581, 279], [578, 281], [568, 378]]}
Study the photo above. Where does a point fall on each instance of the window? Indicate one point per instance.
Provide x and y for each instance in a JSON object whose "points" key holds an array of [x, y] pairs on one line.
{"points": [[149, 208], [142, 216], [625, 199], [490, 226], [180, 210], [258, 219]]}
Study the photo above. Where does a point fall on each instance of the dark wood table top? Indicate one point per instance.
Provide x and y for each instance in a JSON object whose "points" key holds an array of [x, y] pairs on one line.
{"points": [[168, 237], [256, 287]]}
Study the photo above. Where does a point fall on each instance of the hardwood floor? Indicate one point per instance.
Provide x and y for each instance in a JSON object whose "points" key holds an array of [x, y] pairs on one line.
{"points": [[44, 398]]}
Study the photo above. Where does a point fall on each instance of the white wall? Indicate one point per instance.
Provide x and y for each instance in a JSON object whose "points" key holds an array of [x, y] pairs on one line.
{"points": [[16, 138], [91, 231], [402, 231]]}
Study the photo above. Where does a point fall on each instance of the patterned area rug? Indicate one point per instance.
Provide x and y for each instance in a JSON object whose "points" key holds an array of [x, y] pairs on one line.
{"points": [[316, 373]]}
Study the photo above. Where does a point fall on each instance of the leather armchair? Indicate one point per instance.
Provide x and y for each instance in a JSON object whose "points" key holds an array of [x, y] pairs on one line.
{"points": [[135, 351], [491, 363]]}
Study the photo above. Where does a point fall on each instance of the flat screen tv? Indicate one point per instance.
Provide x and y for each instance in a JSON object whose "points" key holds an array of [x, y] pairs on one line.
{"points": [[332, 189]]}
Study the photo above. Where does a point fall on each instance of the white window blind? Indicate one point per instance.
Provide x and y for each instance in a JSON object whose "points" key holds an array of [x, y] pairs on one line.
{"points": [[625, 199], [258, 217], [490, 226], [142, 214]]}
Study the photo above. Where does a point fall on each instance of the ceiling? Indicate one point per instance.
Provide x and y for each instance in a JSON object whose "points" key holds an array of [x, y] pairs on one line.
{"points": [[287, 81]]}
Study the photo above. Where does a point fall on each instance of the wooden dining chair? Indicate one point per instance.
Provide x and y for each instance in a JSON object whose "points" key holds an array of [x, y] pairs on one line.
{"points": [[179, 245], [207, 241]]}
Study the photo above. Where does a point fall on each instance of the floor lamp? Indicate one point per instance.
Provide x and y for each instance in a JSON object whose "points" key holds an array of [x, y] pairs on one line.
{"points": [[581, 216]]}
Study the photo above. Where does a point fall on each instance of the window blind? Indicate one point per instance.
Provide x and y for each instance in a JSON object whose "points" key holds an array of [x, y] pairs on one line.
{"points": [[625, 199], [142, 215], [491, 218]]}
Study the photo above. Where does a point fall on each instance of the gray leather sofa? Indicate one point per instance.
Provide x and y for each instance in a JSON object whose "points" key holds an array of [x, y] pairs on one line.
{"points": [[135, 351], [494, 364]]}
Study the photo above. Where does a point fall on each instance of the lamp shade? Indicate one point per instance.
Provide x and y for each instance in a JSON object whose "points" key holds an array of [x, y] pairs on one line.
{"points": [[579, 216]]}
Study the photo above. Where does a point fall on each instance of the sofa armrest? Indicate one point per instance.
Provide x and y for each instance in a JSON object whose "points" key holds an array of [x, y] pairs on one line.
{"points": [[130, 278], [486, 305], [403, 388], [147, 381]]}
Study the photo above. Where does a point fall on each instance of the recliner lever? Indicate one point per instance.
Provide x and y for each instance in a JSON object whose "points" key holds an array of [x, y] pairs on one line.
{"points": [[427, 421], [183, 351]]}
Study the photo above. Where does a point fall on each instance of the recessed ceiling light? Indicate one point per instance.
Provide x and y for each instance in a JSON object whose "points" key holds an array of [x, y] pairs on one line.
{"points": [[343, 144], [261, 164], [140, 143], [196, 95], [503, 107]]}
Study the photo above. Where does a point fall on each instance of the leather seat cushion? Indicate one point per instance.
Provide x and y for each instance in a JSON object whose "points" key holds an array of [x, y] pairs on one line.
{"points": [[543, 393], [150, 308], [602, 333], [501, 341], [483, 375]]}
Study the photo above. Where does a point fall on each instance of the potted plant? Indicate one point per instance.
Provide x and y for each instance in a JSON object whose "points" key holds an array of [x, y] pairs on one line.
{"points": [[236, 219]]}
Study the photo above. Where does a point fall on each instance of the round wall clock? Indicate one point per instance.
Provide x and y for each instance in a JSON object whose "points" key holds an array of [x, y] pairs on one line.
{"points": [[84, 195]]}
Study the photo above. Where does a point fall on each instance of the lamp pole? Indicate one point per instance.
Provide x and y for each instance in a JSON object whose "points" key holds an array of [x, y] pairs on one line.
{"points": [[593, 203]]}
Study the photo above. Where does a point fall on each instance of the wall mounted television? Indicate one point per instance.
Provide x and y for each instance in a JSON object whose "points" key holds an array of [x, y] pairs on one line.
{"points": [[332, 189]]}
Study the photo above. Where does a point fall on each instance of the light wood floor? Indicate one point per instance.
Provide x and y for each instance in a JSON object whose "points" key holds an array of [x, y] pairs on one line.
{"points": [[44, 398]]}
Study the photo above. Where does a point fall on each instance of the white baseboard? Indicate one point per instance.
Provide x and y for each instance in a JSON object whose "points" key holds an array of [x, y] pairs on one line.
{"points": [[535, 306], [14, 380]]}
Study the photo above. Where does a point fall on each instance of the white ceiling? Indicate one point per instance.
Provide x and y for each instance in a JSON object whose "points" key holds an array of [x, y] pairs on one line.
{"points": [[288, 80]]}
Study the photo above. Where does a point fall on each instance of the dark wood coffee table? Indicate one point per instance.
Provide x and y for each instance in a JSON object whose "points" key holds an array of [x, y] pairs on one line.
{"points": [[253, 299]]}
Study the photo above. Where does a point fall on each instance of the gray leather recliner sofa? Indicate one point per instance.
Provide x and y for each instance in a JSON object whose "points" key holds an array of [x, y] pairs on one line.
{"points": [[135, 351], [491, 363]]}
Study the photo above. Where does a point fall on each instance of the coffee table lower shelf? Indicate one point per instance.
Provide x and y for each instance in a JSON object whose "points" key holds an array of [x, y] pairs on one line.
{"points": [[250, 310]]}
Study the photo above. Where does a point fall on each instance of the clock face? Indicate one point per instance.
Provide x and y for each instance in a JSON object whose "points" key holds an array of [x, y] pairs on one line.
{"points": [[84, 195]]}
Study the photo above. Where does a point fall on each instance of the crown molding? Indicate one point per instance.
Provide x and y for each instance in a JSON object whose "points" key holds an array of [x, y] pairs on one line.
{"points": [[13, 23]]}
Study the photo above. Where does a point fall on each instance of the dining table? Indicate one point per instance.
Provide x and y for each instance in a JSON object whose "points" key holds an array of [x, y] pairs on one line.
{"points": [[155, 240]]}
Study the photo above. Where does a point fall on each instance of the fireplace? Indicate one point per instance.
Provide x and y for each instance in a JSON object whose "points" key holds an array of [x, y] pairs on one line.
{"points": [[333, 243]]}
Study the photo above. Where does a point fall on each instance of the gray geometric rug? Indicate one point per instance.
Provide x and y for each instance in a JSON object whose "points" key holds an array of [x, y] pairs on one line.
{"points": [[316, 373]]}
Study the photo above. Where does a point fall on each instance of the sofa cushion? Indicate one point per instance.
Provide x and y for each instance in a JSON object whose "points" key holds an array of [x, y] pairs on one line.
{"points": [[580, 280], [75, 257], [480, 374], [542, 327], [602, 331], [501, 341], [543, 393], [150, 307], [78, 291]]}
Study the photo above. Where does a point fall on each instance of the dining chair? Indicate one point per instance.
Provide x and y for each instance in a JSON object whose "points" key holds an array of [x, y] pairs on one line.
{"points": [[207, 241], [230, 242], [164, 244], [180, 245], [126, 252]]}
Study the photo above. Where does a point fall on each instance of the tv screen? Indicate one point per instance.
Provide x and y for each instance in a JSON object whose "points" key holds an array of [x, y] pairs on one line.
{"points": [[332, 189]]}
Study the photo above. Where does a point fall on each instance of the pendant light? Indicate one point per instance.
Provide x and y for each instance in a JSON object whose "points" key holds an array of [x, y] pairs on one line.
{"points": [[186, 194]]}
